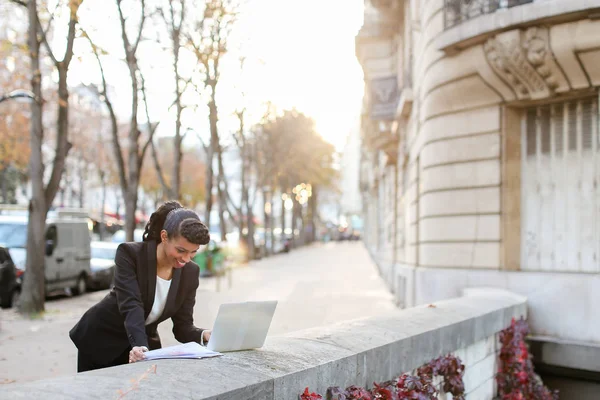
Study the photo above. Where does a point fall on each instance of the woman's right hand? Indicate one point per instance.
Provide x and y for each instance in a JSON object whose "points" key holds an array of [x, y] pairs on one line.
{"points": [[206, 336], [137, 354]]}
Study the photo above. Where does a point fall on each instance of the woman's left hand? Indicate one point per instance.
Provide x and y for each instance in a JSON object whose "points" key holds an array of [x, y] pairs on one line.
{"points": [[206, 335], [137, 354]]}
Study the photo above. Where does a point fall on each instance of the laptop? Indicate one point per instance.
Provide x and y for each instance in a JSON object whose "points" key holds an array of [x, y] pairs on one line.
{"points": [[241, 326]]}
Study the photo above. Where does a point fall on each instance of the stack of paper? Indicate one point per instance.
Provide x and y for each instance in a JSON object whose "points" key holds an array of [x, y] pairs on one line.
{"points": [[187, 350]]}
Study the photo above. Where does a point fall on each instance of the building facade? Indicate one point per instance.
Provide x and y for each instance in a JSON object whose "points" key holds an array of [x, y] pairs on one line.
{"points": [[480, 161], [350, 202]]}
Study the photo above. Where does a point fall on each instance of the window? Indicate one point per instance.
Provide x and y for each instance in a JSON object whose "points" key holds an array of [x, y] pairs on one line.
{"points": [[458, 11], [104, 253], [560, 194], [52, 236], [13, 235]]}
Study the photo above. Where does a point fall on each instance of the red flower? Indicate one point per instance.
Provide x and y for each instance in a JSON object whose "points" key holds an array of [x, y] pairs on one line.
{"points": [[310, 396]]}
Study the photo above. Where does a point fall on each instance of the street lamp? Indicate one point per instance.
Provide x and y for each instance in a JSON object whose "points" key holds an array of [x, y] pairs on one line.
{"points": [[18, 94]]}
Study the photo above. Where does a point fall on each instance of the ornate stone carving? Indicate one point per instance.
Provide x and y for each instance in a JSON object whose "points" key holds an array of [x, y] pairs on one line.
{"points": [[524, 60]]}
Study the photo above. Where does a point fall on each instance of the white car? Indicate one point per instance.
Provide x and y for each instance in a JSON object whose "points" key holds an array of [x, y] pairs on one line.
{"points": [[102, 265], [67, 249], [119, 236]]}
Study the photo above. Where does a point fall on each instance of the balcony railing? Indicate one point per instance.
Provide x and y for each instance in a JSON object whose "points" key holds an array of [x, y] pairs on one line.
{"points": [[458, 11]]}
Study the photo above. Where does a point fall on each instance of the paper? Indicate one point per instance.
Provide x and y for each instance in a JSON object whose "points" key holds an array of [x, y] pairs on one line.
{"points": [[187, 350]]}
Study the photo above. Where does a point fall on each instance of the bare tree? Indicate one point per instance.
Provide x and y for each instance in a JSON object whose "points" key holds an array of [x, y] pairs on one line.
{"points": [[209, 43], [135, 156], [129, 164], [174, 20], [245, 210], [43, 194]]}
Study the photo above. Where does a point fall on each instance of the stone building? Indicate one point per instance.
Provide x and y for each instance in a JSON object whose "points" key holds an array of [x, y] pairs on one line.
{"points": [[480, 161]]}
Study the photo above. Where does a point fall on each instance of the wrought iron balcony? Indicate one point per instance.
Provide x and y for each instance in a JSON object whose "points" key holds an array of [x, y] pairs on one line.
{"points": [[458, 11]]}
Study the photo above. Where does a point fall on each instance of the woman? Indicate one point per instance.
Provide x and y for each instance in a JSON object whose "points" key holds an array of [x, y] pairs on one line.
{"points": [[154, 280]]}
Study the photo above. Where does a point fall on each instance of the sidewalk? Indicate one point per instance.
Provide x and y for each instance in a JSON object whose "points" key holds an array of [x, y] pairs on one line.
{"points": [[317, 285]]}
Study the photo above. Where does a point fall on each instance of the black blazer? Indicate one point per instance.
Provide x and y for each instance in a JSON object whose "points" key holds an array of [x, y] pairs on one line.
{"points": [[117, 322]]}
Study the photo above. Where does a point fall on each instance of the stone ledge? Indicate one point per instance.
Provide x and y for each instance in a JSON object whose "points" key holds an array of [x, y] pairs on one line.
{"points": [[354, 352], [478, 29], [566, 353]]}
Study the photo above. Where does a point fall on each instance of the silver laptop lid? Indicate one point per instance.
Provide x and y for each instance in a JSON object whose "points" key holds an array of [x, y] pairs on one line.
{"points": [[241, 326]]}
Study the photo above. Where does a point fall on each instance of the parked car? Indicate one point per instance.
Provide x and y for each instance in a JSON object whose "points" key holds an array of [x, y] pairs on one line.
{"points": [[10, 280], [102, 265], [119, 236], [67, 247]]}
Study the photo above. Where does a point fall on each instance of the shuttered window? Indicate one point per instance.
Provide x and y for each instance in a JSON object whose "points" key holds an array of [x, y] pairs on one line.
{"points": [[560, 210]]}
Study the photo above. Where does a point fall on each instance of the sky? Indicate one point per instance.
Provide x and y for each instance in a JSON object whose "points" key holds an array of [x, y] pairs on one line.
{"points": [[308, 49], [298, 54]]}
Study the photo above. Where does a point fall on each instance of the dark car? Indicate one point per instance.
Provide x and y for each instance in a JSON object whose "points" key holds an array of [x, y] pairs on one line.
{"points": [[10, 280], [102, 265]]}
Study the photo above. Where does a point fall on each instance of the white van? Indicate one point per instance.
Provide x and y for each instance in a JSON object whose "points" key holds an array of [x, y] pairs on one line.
{"points": [[68, 253]]}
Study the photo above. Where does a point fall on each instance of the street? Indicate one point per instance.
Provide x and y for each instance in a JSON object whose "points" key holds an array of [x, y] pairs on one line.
{"points": [[317, 285]]}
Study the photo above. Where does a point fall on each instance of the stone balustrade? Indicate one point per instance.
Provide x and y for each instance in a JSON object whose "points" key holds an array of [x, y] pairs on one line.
{"points": [[357, 352]]}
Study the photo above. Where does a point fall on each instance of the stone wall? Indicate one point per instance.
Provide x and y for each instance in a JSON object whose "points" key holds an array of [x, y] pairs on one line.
{"points": [[357, 352], [481, 365]]}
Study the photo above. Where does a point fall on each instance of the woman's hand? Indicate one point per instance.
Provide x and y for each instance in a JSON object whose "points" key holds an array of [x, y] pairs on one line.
{"points": [[206, 335], [137, 354]]}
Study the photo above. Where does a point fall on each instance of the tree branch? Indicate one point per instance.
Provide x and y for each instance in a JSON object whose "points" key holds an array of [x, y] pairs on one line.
{"points": [[151, 128], [143, 19], [150, 141], [71, 35], [159, 172], [113, 118], [229, 202], [123, 31], [44, 32], [19, 2], [206, 148]]}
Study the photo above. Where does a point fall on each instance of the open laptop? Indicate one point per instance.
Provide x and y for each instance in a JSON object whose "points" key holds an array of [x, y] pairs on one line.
{"points": [[241, 326]]}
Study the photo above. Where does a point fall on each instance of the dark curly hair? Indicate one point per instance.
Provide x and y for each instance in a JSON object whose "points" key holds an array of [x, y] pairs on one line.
{"points": [[177, 221]]}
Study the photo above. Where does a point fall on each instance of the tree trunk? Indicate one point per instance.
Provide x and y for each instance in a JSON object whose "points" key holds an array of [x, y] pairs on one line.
{"points": [[130, 208], [130, 189], [4, 180], [62, 144], [102, 228], [221, 196], [82, 179], [33, 292], [282, 218], [267, 222], [251, 245], [242, 224], [313, 214], [302, 228], [130, 192], [208, 185], [294, 223], [272, 222], [178, 154], [212, 149], [244, 206]]}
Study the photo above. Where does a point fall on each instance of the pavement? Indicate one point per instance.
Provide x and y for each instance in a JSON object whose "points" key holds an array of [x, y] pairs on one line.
{"points": [[316, 285]]}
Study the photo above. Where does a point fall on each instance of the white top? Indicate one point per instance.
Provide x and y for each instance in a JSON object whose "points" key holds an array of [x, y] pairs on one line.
{"points": [[160, 299]]}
